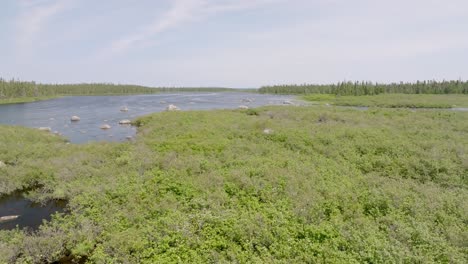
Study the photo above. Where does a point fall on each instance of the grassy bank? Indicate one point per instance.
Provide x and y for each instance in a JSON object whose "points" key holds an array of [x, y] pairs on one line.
{"points": [[268, 185], [25, 99], [394, 100]]}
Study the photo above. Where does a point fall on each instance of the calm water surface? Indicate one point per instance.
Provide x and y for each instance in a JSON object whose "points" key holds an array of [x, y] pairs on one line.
{"points": [[30, 214], [95, 111]]}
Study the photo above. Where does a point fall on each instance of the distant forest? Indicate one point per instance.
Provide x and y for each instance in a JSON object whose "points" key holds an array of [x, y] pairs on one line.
{"points": [[370, 88], [16, 89]]}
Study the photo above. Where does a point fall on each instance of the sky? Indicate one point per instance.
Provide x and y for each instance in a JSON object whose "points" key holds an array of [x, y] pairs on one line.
{"points": [[233, 43]]}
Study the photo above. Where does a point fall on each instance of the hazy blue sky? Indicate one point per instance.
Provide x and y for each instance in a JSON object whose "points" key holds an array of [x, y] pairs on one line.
{"points": [[234, 43]]}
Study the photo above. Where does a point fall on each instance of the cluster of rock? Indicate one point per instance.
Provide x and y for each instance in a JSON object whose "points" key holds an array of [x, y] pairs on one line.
{"points": [[103, 126], [106, 126]]}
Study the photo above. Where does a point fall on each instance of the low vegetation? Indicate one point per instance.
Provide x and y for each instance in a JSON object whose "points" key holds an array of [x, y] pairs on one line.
{"points": [[268, 185], [18, 100], [370, 88], [394, 100]]}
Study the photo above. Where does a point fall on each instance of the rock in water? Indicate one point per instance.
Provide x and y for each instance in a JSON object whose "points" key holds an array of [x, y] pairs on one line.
{"points": [[172, 107], [287, 102], [8, 218], [125, 122], [47, 129], [124, 109], [75, 118], [105, 126]]}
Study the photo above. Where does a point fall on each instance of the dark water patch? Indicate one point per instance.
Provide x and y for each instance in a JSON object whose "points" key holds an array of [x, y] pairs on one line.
{"points": [[25, 213], [460, 109], [71, 259]]}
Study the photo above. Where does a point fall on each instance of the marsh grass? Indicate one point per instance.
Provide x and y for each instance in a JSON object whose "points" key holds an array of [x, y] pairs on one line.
{"points": [[327, 185], [394, 100], [18, 100]]}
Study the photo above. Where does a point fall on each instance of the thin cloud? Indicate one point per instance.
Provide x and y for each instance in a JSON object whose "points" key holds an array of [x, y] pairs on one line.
{"points": [[183, 11], [33, 18]]}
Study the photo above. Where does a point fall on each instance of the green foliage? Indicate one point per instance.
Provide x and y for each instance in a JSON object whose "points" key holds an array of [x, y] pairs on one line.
{"points": [[394, 100], [324, 186], [370, 88]]}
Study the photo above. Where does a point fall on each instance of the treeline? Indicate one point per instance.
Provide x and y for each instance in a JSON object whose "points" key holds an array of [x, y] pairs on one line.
{"points": [[200, 89], [17, 89], [370, 88]]}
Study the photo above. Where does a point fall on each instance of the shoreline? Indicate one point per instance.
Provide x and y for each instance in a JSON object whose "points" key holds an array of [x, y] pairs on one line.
{"points": [[22, 100]]}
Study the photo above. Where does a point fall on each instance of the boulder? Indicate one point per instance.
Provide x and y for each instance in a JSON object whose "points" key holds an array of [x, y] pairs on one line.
{"points": [[172, 107], [8, 218], [105, 126], [124, 109], [247, 100], [287, 102], [125, 122], [47, 129], [267, 131], [243, 107], [75, 118]]}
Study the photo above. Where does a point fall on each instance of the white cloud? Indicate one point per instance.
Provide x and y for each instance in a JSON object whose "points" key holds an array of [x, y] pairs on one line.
{"points": [[354, 43], [33, 18], [179, 13], [273, 41], [183, 11]]}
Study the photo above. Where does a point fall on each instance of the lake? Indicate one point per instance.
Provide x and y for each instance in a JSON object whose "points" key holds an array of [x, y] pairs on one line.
{"points": [[95, 111]]}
